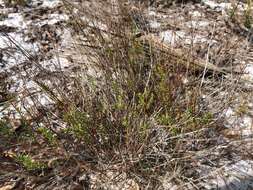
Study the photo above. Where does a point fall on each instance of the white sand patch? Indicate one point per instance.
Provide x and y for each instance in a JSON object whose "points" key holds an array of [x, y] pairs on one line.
{"points": [[17, 38], [3, 42], [13, 59], [230, 117], [53, 19], [24, 105], [155, 24], [248, 72], [175, 37], [152, 13], [17, 48], [195, 14], [223, 6], [24, 101], [217, 6], [14, 20], [51, 3], [66, 38], [39, 99], [55, 64], [235, 176], [238, 125], [9, 111], [172, 37], [197, 24]]}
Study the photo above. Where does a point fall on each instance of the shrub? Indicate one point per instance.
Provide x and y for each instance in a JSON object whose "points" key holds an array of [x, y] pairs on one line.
{"points": [[127, 96], [28, 163], [126, 106]]}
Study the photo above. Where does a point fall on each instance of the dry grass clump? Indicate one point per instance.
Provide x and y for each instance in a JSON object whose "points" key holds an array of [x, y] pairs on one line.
{"points": [[129, 107], [241, 18]]}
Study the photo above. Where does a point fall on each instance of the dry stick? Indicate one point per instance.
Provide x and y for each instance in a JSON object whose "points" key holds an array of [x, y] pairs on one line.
{"points": [[207, 58], [178, 54]]}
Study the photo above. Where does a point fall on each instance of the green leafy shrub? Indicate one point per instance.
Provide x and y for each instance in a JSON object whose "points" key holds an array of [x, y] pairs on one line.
{"points": [[5, 129], [138, 88], [127, 102], [248, 15], [48, 135], [28, 163]]}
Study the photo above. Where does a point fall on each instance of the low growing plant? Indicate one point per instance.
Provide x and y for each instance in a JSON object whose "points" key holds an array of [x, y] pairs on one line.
{"points": [[28, 163]]}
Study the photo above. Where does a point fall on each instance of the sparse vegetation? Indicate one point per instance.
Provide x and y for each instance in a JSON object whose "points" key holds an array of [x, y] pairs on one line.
{"points": [[28, 163], [129, 106], [248, 15], [5, 130], [48, 135], [241, 17]]}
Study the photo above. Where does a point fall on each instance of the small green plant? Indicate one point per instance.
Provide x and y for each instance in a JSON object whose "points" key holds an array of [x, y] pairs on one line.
{"points": [[248, 15], [24, 131], [48, 135], [195, 121], [242, 109], [206, 118], [2, 16], [5, 129], [232, 12], [175, 131], [28, 163], [246, 18], [165, 119], [79, 123]]}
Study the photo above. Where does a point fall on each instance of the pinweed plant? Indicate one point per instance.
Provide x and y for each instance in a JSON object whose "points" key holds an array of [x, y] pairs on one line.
{"points": [[48, 135], [5, 129], [28, 163], [126, 106], [131, 96], [248, 15]]}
